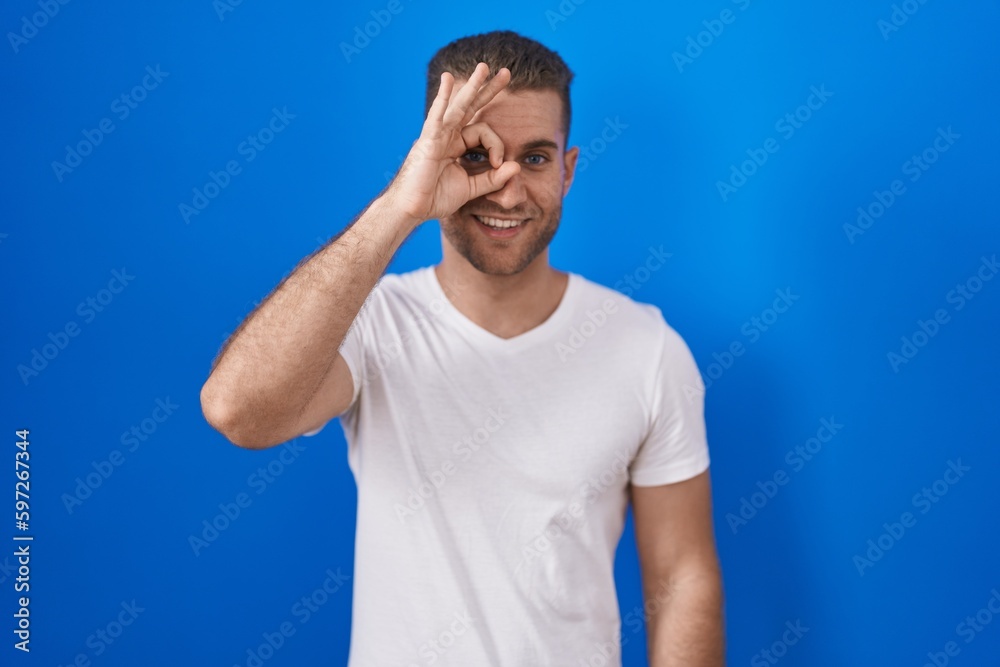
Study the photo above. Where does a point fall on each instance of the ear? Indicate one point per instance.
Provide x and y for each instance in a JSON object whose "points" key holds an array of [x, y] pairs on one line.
{"points": [[569, 165]]}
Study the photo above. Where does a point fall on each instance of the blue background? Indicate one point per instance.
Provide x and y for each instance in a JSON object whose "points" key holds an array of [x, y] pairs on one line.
{"points": [[655, 184]]}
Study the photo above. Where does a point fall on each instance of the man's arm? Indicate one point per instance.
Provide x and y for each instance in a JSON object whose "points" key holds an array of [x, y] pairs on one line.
{"points": [[280, 374], [285, 353], [680, 570]]}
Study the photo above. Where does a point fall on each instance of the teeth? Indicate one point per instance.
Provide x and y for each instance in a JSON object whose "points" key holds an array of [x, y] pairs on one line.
{"points": [[497, 222]]}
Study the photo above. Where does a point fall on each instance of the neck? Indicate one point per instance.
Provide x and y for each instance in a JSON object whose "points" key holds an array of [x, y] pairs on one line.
{"points": [[504, 305]]}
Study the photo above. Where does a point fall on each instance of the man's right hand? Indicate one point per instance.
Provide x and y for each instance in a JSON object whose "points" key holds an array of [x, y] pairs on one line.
{"points": [[280, 374], [431, 183]]}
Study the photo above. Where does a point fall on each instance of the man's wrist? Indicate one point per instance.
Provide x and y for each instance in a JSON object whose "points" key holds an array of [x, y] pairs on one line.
{"points": [[387, 208]]}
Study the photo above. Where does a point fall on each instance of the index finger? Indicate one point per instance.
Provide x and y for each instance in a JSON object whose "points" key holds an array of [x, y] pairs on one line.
{"points": [[462, 98], [487, 93]]}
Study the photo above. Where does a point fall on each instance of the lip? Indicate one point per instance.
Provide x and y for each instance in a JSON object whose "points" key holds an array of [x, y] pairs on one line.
{"points": [[507, 233]]}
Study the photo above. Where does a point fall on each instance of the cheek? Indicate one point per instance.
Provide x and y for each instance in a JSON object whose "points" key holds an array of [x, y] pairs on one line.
{"points": [[546, 190]]}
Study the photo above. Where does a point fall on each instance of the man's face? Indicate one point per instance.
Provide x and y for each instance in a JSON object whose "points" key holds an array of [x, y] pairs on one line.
{"points": [[529, 123]]}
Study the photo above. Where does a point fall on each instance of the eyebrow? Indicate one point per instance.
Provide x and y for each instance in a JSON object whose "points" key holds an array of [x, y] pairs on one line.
{"points": [[540, 143]]}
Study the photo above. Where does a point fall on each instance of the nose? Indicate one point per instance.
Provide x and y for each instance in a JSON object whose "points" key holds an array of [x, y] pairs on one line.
{"points": [[511, 195]]}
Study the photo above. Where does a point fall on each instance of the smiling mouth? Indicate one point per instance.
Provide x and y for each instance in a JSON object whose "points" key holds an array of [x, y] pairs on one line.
{"points": [[499, 223]]}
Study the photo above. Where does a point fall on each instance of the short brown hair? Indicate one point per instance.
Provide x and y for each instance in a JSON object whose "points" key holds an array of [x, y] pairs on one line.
{"points": [[532, 65]]}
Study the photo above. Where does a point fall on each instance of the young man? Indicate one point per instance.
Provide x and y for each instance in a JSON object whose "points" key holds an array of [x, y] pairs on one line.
{"points": [[500, 414]]}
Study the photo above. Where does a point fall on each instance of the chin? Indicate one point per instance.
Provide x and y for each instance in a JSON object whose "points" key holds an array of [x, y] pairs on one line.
{"points": [[492, 267]]}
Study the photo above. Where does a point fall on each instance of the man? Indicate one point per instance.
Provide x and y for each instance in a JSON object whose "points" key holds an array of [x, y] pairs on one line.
{"points": [[499, 413]]}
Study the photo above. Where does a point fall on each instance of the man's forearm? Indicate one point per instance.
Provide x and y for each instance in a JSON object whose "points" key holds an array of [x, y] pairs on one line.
{"points": [[687, 628], [274, 362]]}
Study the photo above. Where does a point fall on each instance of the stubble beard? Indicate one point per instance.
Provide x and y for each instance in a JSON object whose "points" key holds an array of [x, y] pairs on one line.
{"points": [[490, 256]]}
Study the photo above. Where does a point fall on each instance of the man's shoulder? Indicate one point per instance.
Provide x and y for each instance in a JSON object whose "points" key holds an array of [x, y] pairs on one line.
{"points": [[624, 307], [641, 322], [402, 281], [396, 297], [402, 286]]}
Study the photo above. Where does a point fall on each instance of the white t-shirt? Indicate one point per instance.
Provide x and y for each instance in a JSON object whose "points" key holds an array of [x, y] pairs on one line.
{"points": [[493, 473]]}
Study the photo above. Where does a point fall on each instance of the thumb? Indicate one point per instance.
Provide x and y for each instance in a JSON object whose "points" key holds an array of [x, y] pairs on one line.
{"points": [[494, 179]]}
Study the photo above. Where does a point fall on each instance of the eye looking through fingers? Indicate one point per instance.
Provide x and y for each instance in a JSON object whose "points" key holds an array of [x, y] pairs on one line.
{"points": [[475, 160], [475, 156]]}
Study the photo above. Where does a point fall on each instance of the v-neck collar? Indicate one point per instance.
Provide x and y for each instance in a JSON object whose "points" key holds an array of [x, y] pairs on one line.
{"points": [[529, 337]]}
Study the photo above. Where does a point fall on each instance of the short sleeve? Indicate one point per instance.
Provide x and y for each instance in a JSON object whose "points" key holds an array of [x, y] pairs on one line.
{"points": [[675, 447], [352, 350]]}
